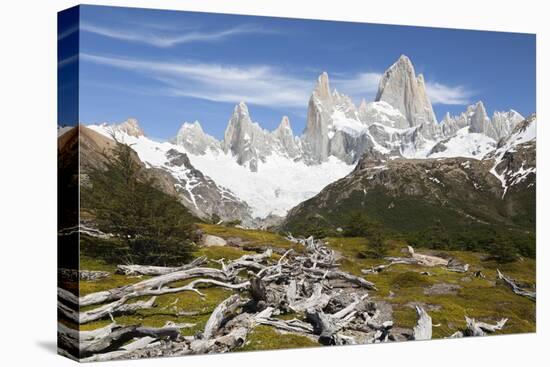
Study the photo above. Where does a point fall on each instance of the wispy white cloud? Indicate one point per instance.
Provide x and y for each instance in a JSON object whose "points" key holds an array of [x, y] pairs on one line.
{"points": [[448, 95], [361, 85], [257, 84], [151, 35], [365, 85], [261, 85]]}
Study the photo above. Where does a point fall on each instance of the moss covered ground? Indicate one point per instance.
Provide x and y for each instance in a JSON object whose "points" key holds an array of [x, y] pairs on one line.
{"points": [[404, 285]]}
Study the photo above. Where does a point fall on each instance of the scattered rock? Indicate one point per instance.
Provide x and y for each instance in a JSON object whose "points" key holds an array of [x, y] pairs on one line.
{"points": [[236, 241], [384, 311], [426, 306], [86, 275], [211, 241], [442, 288]]}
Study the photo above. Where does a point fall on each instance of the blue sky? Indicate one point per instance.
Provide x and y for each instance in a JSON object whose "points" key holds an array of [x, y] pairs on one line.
{"points": [[165, 67]]}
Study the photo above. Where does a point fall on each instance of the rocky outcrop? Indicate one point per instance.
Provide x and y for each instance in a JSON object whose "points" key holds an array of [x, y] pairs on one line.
{"points": [[200, 193], [212, 241]]}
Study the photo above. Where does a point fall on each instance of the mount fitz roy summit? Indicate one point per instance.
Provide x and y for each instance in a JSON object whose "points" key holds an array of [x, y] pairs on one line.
{"points": [[262, 174]]}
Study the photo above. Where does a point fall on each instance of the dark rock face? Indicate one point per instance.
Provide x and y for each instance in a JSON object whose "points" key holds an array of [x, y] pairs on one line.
{"points": [[201, 194]]}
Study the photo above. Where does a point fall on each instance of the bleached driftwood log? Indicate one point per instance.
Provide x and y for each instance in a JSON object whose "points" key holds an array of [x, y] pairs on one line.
{"points": [[115, 308], [220, 313], [337, 274], [457, 267], [479, 328], [327, 326], [423, 328], [532, 295], [317, 300], [158, 270], [110, 337]]}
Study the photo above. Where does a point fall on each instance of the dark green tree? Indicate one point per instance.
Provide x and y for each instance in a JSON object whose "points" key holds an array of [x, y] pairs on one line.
{"points": [[503, 249], [375, 235], [146, 225], [356, 225]]}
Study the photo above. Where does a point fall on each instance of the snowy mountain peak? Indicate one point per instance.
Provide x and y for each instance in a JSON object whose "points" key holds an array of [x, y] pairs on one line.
{"points": [[192, 137], [130, 127], [190, 126], [402, 89]]}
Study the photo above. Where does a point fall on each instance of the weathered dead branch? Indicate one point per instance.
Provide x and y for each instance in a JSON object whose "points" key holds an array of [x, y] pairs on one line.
{"points": [[479, 328], [532, 295], [158, 270], [423, 328]]}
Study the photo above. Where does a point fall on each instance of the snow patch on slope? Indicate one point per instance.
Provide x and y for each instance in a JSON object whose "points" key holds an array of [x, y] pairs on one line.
{"points": [[465, 144]]}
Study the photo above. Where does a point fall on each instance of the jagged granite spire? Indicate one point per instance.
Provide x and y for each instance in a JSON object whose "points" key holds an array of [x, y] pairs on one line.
{"points": [[287, 142], [316, 134], [402, 89]]}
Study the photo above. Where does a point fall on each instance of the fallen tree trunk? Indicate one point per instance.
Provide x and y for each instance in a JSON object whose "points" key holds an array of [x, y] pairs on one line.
{"points": [[158, 270], [148, 284], [532, 295], [115, 308]]}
